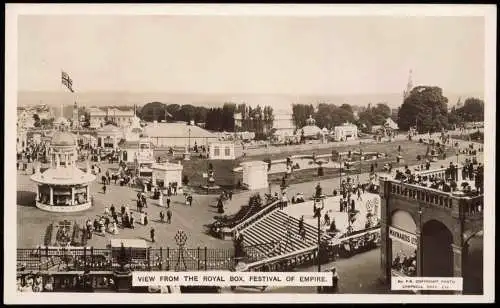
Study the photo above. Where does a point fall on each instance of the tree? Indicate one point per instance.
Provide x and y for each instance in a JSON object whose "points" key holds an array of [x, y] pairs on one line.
{"points": [[36, 118], [454, 118], [155, 111], [347, 108], [472, 110], [301, 113], [46, 123], [425, 107], [186, 113]]}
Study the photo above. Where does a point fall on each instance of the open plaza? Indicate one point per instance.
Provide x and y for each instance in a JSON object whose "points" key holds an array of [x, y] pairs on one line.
{"points": [[215, 215]]}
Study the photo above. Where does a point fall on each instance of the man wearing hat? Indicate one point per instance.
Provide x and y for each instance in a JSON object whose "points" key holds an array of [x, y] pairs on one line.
{"points": [[38, 283]]}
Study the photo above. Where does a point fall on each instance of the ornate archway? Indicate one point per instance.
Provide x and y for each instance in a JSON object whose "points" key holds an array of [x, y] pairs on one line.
{"points": [[437, 250], [473, 265]]}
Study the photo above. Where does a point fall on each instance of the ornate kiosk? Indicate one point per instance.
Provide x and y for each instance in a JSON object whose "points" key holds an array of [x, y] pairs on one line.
{"points": [[63, 187]]}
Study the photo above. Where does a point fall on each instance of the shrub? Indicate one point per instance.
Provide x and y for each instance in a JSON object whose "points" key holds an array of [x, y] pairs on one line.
{"points": [[185, 180]]}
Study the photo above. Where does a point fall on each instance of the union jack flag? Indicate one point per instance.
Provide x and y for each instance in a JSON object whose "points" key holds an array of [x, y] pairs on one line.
{"points": [[67, 81]]}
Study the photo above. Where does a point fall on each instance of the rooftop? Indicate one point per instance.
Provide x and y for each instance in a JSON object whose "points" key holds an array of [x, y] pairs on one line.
{"points": [[63, 139], [63, 176], [179, 130]]}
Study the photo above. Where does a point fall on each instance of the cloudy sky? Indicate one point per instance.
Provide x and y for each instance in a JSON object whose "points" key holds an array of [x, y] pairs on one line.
{"points": [[250, 54]]}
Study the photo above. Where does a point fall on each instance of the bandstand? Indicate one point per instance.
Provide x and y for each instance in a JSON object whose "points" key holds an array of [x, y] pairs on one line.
{"points": [[63, 187]]}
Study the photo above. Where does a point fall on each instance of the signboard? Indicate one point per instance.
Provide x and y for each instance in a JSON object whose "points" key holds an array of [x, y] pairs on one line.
{"points": [[403, 237], [205, 175]]}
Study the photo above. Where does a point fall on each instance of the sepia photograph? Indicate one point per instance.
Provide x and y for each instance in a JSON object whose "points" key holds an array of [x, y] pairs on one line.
{"points": [[304, 153]]}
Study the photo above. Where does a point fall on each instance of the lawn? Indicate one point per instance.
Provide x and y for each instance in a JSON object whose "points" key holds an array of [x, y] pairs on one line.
{"points": [[409, 152]]}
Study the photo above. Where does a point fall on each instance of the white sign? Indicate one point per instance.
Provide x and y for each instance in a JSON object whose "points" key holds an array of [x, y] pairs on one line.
{"points": [[205, 175], [427, 283], [223, 279], [403, 237]]}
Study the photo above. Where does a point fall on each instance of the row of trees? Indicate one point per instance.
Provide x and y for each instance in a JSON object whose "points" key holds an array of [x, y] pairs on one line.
{"points": [[216, 119], [258, 119], [330, 115], [427, 109]]}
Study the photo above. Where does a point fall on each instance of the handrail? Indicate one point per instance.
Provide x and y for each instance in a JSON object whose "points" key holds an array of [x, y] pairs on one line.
{"points": [[309, 249], [279, 257]]}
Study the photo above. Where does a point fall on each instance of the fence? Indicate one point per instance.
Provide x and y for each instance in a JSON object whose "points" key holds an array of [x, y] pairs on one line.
{"points": [[70, 259]]}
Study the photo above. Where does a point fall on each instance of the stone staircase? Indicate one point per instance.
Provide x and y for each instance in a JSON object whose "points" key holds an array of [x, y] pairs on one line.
{"points": [[277, 234]]}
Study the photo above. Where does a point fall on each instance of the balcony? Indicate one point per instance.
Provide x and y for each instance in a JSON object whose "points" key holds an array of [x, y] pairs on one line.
{"points": [[457, 202]]}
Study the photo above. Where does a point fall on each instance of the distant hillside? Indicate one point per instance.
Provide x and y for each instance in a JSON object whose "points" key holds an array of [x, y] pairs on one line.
{"points": [[277, 101]]}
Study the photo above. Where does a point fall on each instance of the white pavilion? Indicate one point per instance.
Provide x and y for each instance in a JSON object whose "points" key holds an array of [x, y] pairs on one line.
{"points": [[63, 187]]}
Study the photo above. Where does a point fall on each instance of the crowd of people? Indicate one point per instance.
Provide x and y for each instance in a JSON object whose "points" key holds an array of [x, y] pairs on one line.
{"points": [[450, 182], [34, 283], [405, 264]]}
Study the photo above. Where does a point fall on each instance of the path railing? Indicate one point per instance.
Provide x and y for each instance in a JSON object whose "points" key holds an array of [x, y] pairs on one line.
{"points": [[346, 247], [79, 259]]}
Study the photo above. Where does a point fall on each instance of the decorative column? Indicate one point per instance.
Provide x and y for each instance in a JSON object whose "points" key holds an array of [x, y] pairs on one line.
{"points": [[88, 192], [37, 192], [386, 242], [420, 255], [51, 200], [153, 178], [72, 195], [459, 254]]}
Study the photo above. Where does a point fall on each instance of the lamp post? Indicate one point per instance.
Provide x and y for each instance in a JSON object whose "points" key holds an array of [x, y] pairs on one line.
{"points": [[318, 214], [360, 163], [340, 160]]}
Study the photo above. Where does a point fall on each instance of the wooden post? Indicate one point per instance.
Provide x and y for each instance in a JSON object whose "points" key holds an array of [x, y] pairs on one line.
{"points": [[40, 259], [168, 259], [149, 258], [198, 257], [161, 259], [206, 250]]}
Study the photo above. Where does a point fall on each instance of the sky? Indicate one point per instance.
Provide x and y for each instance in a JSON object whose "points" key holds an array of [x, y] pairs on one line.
{"points": [[250, 54]]}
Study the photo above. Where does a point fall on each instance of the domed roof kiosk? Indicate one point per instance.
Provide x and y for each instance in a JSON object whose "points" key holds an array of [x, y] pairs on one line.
{"points": [[63, 187]]}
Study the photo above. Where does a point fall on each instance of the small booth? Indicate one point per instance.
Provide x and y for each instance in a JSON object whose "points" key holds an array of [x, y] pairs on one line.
{"points": [[255, 175], [221, 150], [165, 173], [109, 136]]}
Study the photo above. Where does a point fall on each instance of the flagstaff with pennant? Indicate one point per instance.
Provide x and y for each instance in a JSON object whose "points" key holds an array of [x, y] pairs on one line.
{"points": [[67, 82]]}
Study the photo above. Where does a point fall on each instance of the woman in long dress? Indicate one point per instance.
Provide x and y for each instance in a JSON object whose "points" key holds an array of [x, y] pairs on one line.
{"points": [[142, 218], [115, 228]]}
